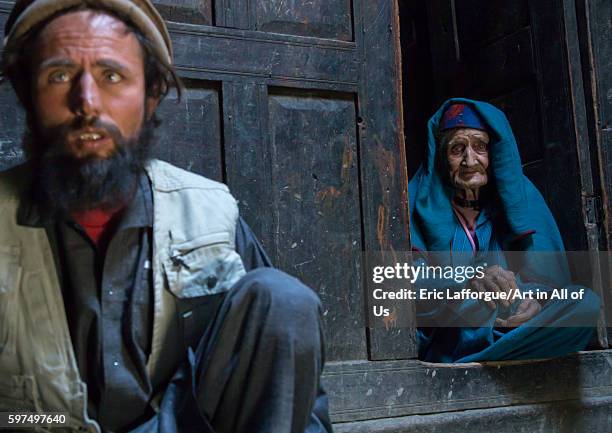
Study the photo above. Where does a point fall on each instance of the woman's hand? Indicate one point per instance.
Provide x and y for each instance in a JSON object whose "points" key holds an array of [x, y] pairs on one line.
{"points": [[496, 279], [526, 310]]}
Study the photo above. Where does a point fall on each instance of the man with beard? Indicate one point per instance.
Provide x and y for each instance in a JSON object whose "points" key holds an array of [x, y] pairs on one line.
{"points": [[470, 204], [132, 296]]}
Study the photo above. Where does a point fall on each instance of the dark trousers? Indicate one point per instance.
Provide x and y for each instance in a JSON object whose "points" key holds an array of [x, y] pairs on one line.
{"points": [[257, 367]]}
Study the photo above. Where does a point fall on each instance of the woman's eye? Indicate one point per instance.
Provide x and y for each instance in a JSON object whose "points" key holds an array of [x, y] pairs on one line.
{"points": [[480, 147], [59, 77], [456, 150]]}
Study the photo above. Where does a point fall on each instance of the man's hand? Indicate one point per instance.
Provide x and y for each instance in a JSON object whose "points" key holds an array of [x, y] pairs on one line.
{"points": [[527, 309], [496, 279]]}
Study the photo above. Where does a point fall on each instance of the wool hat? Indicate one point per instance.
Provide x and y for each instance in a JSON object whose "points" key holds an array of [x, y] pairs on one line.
{"points": [[461, 116], [27, 14]]}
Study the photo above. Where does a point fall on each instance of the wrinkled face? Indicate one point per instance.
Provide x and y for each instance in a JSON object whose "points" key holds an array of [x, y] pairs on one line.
{"points": [[88, 82], [467, 153]]}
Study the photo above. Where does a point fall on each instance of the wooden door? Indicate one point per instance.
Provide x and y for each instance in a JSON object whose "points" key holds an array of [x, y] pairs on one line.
{"points": [[296, 105], [596, 52], [524, 57]]}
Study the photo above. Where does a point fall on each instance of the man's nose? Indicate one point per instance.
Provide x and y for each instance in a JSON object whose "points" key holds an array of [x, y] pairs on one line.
{"points": [[86, 97]]}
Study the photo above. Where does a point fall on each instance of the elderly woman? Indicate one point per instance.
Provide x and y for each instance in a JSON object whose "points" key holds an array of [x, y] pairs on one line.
{"points": [[469, 198]]}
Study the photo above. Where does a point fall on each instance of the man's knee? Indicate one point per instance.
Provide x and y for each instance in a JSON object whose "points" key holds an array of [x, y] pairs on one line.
{"points": [[285, 299]]}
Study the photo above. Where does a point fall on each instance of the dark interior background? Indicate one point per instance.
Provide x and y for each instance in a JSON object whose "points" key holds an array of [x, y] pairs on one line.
{"points": [[518, 56], [546, 64]]}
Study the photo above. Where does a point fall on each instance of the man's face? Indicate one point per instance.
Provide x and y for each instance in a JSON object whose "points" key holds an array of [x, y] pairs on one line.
{"points": [[467, 153], [88, 83]]}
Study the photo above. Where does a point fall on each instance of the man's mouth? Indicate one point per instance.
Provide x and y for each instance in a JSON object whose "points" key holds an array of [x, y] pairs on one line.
{"points": [[91, 143], [90, 136]]}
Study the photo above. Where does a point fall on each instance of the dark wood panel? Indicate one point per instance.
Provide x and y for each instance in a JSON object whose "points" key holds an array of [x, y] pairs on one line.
{"points": [[481, 22], [190, 136], [500, 67], [444, 49], [366, 390], [186, 11], [247, 158], [250, 54], [536, 172], [558, 132], [5, 8], [606, 168], [233, 13], [600, 12], [576, 416], [383, 161], [598, 38], [12, 117], [320, 18], [521, 108], [12, 124], [313, 148], [417, 80], [579, 133]]}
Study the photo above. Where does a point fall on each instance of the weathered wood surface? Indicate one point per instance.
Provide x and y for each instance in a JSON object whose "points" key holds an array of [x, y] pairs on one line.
{"points": [[329, 19], [12, 118], [556, 116], [233, 13], [314, 163], [600, 32], [300, 114], [383, 163], [522, 112], [584, 153], [477, 29], [187, 11], [596, 50], [220, 53], [368, 390], [190, 134], [247, 154], [417, 80], [12, 122], [588, 415]]}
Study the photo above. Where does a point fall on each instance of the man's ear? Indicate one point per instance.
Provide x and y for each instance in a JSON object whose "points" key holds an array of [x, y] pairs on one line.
{"points": [[151, 104]]}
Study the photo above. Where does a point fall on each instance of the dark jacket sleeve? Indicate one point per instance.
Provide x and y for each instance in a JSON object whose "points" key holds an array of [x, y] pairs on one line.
{"points": [[249, 248]]}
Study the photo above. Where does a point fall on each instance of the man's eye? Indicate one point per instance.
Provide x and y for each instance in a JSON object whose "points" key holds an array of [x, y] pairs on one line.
{"points": [[113, 77], [59, 77]]}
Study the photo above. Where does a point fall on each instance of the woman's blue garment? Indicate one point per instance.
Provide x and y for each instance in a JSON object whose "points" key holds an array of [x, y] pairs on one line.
{"points": [[516, 217]]}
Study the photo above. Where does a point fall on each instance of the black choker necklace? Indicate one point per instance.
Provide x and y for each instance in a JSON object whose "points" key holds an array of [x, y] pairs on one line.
{"points": [[474, 204]]}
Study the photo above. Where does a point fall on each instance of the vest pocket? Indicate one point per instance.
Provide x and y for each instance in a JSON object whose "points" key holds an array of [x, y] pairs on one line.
{"points": [[203, 266], [17, 394], [10, 279]]}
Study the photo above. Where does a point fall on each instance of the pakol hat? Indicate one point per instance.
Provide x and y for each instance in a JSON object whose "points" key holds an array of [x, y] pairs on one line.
{"points": [[461, 116], [27, 14]]}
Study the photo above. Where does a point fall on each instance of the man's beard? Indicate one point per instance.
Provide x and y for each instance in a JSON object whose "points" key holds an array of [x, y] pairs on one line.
{"points": [[65, 184]]}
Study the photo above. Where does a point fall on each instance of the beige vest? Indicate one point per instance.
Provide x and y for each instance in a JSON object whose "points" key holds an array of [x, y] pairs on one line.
{"points": [[193, 240]]}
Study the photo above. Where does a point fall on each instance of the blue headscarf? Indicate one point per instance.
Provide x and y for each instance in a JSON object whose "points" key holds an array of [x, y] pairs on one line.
{"points": [[524, 210]]}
